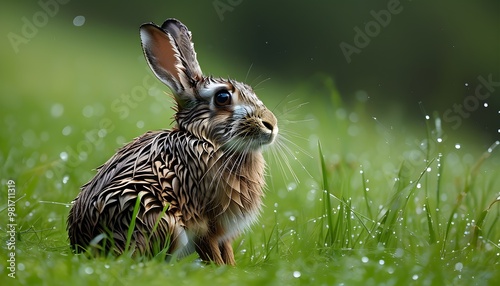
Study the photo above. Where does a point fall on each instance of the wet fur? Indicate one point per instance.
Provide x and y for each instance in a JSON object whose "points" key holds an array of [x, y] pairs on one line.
{"points": [[199, 184]]}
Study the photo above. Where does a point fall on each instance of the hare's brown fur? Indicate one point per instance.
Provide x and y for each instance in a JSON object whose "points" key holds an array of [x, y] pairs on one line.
{"points": [[202, 197], [198, 185]]}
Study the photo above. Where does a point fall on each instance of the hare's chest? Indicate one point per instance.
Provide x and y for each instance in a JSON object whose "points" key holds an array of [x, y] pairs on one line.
{"points": [[233, 226]]}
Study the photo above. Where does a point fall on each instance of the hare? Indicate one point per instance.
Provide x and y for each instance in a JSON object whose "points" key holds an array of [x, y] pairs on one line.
{"points": [[194, 187]]}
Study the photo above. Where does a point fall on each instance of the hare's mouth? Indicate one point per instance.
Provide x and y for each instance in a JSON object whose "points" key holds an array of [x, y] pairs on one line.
{"points": [[252, 140]]}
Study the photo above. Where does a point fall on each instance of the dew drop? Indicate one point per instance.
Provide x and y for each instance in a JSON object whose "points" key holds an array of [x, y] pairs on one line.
{"points": [[79, 21], [381, 262], [49, 174], [88, 111], [414, 277], [296, 274], [65, 179], [457, 146], [21, 267], [427, 117], [485, 104], [102, 133], [89, 270], [120, 140], [466, 84], [364, 259], [292, 218], [57, 110], [67, 130], [64, 156], [399, 253], [459, 266]]}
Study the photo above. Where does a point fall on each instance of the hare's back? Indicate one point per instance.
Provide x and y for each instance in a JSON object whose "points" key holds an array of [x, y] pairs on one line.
{"points": [[145, 169]]}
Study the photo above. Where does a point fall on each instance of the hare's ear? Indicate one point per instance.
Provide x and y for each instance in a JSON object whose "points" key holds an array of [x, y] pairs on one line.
{"points": [[170, 54]]}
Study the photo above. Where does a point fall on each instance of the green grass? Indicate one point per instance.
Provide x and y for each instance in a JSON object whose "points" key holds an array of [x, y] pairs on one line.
{"points": [[370, 203]]}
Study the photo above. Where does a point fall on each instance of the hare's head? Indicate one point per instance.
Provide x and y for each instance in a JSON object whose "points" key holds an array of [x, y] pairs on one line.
{"points": [[224, 112]]}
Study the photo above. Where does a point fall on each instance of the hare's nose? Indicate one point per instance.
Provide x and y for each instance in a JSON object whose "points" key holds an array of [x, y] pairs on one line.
{"points": [[268, 125], [269, 122]]}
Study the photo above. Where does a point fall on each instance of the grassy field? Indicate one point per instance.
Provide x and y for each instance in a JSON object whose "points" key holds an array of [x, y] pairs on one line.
{"points": [[354, 200]]}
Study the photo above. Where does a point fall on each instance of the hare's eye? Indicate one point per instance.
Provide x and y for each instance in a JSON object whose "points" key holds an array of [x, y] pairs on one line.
{"points": [[222, 98]]}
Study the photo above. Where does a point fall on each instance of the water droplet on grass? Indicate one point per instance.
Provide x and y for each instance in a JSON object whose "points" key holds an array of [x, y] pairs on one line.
{"points": [[485, 104], [102, 133], [57, 110], [493, 146], [79, 21], [88, 111], [120, 140], [83, 156], [399, 253], [364, 259], [49, 174], [457, 146], [296, 274], [414, 277], [67, 130], [89, 270], [64, 156], [381, 262]]}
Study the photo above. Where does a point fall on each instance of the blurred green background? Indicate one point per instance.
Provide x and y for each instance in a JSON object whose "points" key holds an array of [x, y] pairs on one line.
{"points": [[74, 87], [59, 65]]}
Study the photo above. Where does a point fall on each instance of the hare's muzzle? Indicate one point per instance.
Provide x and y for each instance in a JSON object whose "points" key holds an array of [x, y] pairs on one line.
{"points": [[269, 127]]}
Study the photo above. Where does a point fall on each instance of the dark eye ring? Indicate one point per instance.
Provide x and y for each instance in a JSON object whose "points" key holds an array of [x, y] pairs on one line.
{"points": [[222, 98]]}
